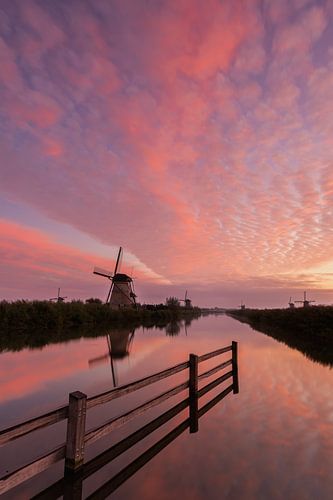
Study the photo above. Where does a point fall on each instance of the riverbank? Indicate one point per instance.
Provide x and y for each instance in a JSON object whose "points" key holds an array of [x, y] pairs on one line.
{"points": [[38, 323], [310, 330]]}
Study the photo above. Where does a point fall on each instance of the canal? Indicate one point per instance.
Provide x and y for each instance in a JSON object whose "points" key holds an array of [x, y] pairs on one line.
{"points": [[272, 440]]}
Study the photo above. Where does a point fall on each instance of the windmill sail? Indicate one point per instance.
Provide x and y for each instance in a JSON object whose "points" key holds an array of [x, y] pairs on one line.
{"points": [[118, 260], [102, 272]]}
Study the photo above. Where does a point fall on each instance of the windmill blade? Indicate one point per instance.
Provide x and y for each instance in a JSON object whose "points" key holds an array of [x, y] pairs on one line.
{"points": [[118, 259], [112, 364], [109, 294], [130, 341], [114, 372], [102, 272], [132, 293], [100, 359]]}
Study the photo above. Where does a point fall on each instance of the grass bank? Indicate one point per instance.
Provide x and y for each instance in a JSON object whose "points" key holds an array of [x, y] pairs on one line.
{"points": [[310, 330], [36, 324]]}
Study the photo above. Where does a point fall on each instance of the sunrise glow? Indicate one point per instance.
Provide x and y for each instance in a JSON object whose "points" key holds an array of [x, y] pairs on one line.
{"points": [[197, 135]]}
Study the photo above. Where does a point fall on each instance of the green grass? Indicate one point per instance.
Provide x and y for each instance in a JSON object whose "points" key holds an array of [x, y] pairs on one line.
{"points": [[310, 330], [36, 324]]}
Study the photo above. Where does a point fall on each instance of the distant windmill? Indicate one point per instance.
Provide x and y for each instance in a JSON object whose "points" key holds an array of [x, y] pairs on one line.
{"points": [[305, 302], [291, 304], [242, 306], [187, 302], [121, 293], [58, 298]]}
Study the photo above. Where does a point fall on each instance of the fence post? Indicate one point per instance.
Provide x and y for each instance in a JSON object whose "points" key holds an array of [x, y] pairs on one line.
{"points": [[235, 384], [73, 485], [75, 431], [193, 393]]}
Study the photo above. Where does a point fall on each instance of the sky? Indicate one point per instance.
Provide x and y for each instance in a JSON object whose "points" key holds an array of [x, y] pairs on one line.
{"points": [[196, 135]]}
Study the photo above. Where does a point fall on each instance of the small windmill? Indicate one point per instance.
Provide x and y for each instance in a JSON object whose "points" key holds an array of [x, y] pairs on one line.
{"points": [[291, 304], [187, 302], [242, 306], [121, 293], [58, 298], [305, 301]]}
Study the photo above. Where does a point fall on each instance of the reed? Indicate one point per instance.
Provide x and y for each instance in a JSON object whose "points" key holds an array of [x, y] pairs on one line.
{"points": [[310, 330], [38, 323]]}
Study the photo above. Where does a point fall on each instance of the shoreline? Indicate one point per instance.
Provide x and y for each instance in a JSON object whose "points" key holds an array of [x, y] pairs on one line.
{"points": [[36, 324], [309, 330]]}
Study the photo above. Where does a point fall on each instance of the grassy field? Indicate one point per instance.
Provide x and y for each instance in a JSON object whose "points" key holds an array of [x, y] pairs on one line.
{"points": [[310, 330], [35, 324]]}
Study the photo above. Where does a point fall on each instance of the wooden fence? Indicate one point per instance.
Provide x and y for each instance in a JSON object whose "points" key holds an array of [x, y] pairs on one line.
{"points": [[75, 412]]}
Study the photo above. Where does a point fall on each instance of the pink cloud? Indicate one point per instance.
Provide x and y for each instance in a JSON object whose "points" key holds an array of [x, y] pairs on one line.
{"points": [[300, 35], [41, 34], [9, 74], [250, 58], [185, 137], [36, 109], [53, 147], [33, 256]]}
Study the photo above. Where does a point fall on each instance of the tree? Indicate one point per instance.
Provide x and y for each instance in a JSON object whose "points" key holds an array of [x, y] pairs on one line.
{"points": [[172, 302], [93, 301]]}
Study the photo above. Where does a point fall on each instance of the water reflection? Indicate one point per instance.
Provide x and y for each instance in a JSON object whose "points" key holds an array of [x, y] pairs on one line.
{"points": [[273, 441], [70, 486], [119, 344], [173, 328]]}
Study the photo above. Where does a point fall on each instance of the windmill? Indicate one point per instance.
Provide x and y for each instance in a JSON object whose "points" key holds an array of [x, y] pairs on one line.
{"points": [[121, 293], [291, 304], [58, 298], [305, 301], [187, 302], [242, 306]]}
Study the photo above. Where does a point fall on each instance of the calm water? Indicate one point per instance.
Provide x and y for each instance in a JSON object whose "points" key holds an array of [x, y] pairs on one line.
{"points": [[272, 440]]}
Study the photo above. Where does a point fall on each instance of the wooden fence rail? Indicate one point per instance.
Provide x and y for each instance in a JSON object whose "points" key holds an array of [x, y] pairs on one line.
{"points": [[75, 412]]}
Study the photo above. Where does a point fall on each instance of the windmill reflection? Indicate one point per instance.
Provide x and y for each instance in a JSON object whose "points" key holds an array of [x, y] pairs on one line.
{"points": [[119, 342], [187, 323]]}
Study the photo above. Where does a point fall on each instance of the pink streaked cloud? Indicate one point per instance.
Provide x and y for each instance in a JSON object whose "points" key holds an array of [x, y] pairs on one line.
{"points": [[41, 262], [198, 136]]}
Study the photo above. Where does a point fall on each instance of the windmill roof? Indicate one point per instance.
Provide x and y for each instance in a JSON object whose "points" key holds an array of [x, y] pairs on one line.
{"points": [[122, 278]]}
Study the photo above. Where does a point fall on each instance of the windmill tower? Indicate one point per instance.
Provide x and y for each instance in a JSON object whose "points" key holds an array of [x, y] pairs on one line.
{"points": [[187, 302], [242, 306], [121, 293], [58, 298], [291, 304], [305, 301]]}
